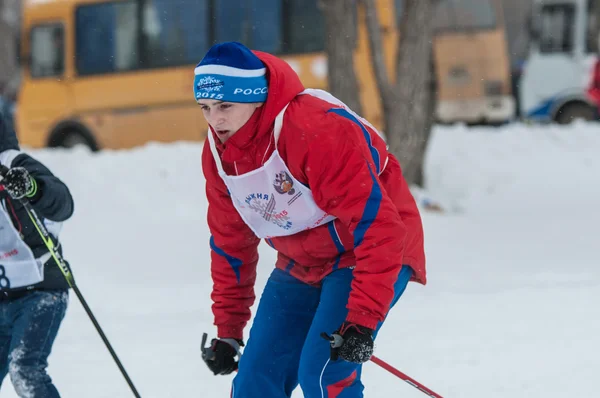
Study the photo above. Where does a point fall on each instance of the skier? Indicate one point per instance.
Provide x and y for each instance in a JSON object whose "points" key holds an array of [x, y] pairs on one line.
{"points": [[348, 237], [33, 291]]}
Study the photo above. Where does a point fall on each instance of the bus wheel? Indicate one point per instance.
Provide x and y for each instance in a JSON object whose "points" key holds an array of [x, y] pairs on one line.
{"points": [[575, 110], [71, 139]]}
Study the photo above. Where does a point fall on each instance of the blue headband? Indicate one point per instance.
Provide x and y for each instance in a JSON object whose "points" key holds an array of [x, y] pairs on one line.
{"points": [[230, 72], [225, 83]]}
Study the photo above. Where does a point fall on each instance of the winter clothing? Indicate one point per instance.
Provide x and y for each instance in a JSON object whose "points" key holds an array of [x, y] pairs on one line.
{"points": [[285, 347], [28, 327], [593, 90], [7, 112], [33, 291], [315, 181], [352, 343], [230, 73], [52, 202], [20, 184], [378, 226], [220, 357]]}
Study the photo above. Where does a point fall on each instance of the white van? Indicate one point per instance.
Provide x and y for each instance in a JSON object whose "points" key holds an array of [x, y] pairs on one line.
{"points": [[560, 64]]}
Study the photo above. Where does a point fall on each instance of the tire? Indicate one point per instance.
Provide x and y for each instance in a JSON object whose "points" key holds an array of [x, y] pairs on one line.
{"points": [[576, 110], [72, 139]]}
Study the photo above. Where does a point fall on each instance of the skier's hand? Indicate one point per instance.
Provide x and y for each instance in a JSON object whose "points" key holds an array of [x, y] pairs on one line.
{"points": [[351, 342], [19, 183], [220, 356]]}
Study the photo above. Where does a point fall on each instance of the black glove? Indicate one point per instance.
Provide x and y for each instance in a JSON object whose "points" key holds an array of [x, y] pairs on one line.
{"points": [[351, 342], [19, 183], [220, 356]]}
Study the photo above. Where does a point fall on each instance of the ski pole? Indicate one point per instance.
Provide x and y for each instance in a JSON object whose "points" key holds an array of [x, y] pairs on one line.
{"points": [[207, 353], [404, 377], [66, 271]]}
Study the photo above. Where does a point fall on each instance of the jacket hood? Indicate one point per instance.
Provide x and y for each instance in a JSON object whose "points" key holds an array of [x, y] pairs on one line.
{"points": [[8, 137], [284, 86]]}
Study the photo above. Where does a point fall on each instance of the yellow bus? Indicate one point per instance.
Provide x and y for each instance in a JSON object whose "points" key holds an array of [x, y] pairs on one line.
{"points": [[472, 62], [118, 73]]}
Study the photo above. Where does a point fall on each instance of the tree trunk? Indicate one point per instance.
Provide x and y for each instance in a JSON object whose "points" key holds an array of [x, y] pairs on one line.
{"points": [[9, 30], [429, 123], [386, 88], [595, 40], [409, 124], [340, 42]]}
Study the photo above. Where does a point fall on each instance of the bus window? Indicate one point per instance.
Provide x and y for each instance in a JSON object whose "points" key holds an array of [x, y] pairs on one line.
{"points": [[256, 23], [47, 51], [442, 17], [592, 28], [464, 15], [232, 21], [267, 28], [275, 26], [398, 6], [474, 14], [106, 38], [557, 28], [304, 27], [176, 32]]}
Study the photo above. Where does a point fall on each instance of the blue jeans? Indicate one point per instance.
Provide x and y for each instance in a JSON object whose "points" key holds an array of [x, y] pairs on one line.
{"points": [[28, 327], [285, 347]]}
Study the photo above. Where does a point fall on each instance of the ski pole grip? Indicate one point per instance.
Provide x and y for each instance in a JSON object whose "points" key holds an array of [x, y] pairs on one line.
{"points": [[207, 352], [204, 338]]}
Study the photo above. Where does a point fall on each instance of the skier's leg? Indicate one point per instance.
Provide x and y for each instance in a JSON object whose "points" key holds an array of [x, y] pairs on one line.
{"points": [[36, 325], [269, 363], [320, 377], [5, 336]]}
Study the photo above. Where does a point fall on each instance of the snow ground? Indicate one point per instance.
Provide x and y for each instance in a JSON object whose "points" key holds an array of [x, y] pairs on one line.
{"points": [[513, 272]]}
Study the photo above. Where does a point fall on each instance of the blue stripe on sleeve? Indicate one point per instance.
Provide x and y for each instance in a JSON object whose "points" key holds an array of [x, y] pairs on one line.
{"points": [[370, 211], [367, 135], [235, 263], [290, 265], [335, 237]]}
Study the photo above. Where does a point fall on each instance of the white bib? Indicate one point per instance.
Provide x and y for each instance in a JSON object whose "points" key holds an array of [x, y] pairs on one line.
{"points": [[18, 266], [269, 199]]}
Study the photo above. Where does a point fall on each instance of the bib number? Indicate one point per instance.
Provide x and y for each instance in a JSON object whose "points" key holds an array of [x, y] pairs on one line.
{"points": [[4, 281]]}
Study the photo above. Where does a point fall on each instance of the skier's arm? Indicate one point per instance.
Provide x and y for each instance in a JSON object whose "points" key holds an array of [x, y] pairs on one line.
{"points": [[234, 255], [342, 171], [52, 199]]}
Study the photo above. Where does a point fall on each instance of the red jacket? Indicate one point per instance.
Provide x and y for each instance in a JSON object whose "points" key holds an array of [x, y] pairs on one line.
{"points": [[378, 227], [593, 89]]}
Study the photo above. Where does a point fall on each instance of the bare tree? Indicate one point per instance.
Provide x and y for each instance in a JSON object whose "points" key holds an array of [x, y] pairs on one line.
{"points": [[515, 14], [595, 27], [340, 42], [10, 11], [407, 102]]}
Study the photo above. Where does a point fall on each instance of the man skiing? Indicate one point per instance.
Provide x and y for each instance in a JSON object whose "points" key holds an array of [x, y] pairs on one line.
{"points": [[33, 291], [349, 236]]}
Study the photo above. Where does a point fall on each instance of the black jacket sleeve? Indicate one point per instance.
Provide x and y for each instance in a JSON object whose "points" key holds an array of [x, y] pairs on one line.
{"points": [[54, 201]]}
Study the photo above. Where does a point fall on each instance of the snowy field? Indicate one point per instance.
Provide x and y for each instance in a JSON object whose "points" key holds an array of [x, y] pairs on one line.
{"points": [[514, 282]]}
